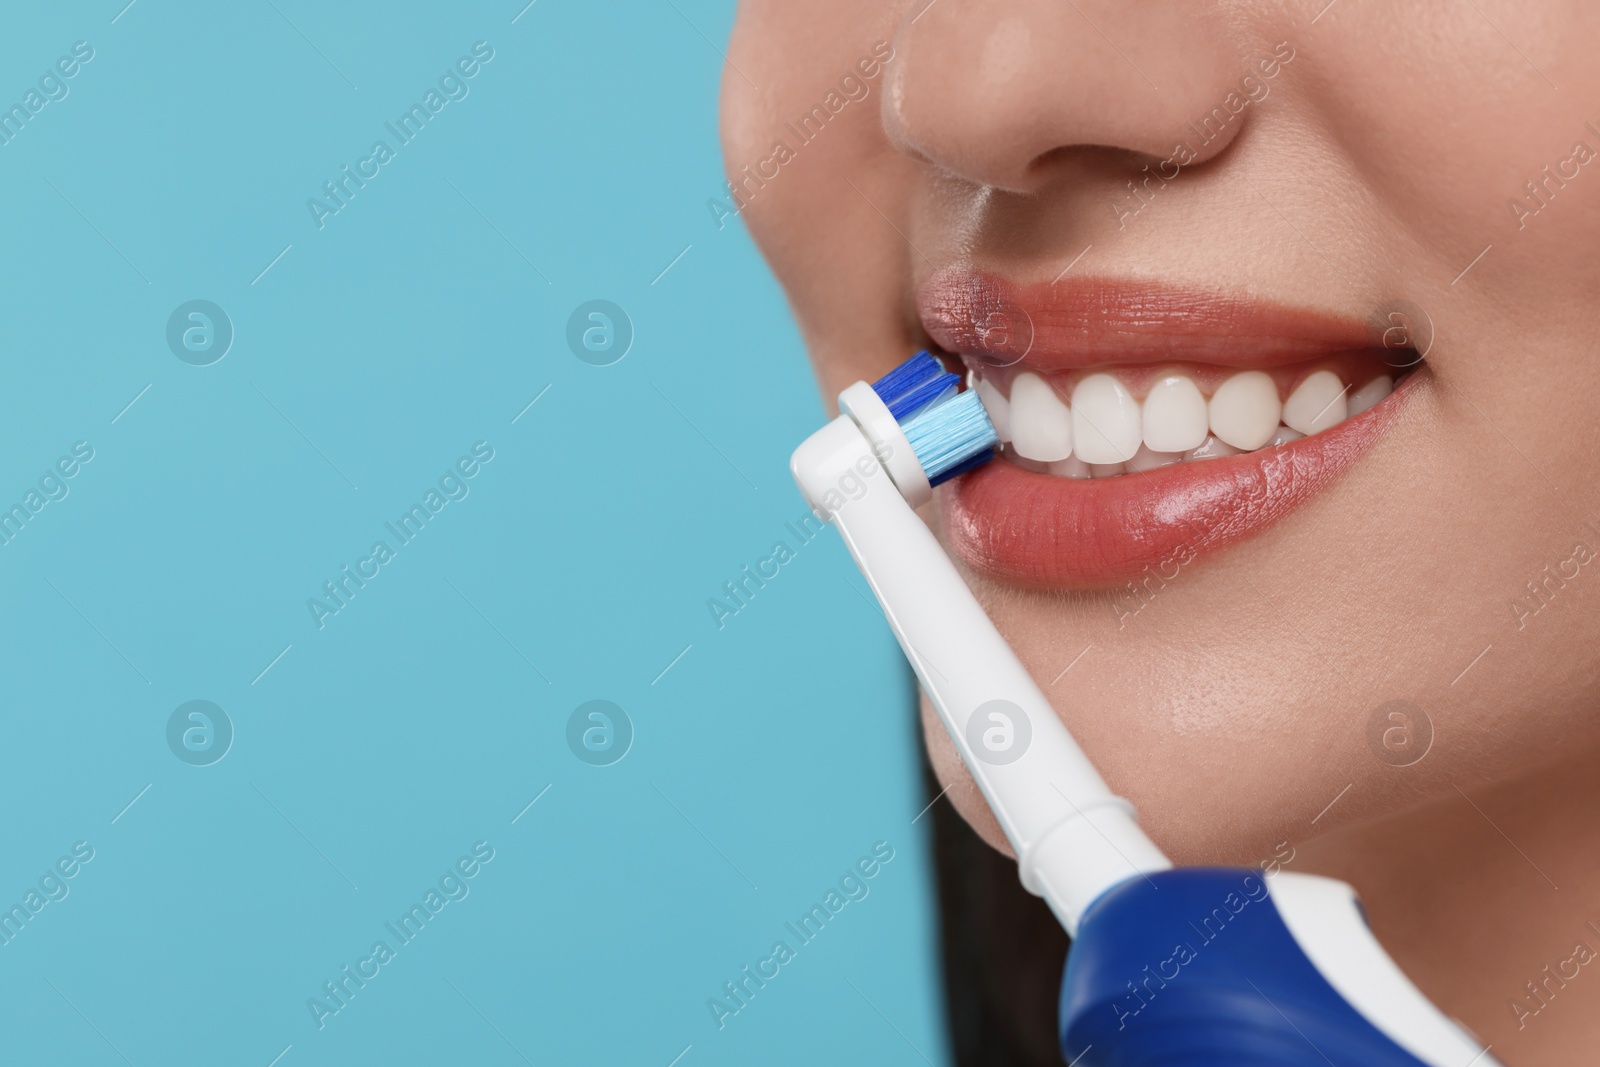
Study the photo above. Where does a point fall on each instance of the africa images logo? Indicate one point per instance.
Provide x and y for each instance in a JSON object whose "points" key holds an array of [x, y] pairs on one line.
{"points": [[852, 886], [453, 87], [452, 887], [340, 591]]}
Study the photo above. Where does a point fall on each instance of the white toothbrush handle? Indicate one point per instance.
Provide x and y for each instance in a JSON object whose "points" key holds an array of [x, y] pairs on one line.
{"points": [[1073, 838]]}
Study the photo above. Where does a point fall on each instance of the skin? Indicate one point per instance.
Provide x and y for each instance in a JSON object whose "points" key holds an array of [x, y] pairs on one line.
{"points": [[1233, 709]]}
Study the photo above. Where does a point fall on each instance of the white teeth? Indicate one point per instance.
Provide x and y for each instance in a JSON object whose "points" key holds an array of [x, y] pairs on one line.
{"points": [[1284, 436], [1317, 404], [1174, 415], [1041, 425], [1146, 460], [1106, 422], [1105, 432], [1072, 467], [998, 407], [1214, 449], [1245, 410], [1369, 395]]}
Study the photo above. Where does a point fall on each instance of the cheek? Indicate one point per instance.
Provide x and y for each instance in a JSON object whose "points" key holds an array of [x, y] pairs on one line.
{"points": [[952, 775], [840, 262], [1446, 154]]}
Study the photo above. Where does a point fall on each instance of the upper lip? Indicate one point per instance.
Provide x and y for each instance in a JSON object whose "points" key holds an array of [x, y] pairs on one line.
{"points": [[1091, 321]]}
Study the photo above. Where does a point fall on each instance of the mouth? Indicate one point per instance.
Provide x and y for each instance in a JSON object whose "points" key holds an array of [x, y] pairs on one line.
{"points": [[1145, 426]]}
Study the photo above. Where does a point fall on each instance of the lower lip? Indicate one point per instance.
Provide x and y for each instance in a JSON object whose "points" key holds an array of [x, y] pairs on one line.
{"points": [[1032, 529]]}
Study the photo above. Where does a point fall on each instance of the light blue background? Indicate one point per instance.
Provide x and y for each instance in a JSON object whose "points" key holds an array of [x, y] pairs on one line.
{"points": [[377, 750]]}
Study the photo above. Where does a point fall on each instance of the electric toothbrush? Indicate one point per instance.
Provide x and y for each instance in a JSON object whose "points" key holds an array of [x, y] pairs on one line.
{"points": [[1191, 966]]}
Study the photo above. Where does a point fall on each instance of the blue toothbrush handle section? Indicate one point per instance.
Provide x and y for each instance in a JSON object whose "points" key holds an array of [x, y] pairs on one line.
{"points": [[1221, 966]]}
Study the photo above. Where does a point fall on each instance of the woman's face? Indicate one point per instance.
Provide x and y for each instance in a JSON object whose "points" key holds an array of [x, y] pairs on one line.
{"points": [[1176, 225]]}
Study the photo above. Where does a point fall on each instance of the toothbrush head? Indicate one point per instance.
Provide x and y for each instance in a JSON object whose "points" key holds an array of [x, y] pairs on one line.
{"points": [[951, 436], [948, 431], [923, 428]]}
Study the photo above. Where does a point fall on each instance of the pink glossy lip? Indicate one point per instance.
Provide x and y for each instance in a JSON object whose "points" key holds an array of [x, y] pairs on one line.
{"points": [[1087, 322], [1034, 529]]}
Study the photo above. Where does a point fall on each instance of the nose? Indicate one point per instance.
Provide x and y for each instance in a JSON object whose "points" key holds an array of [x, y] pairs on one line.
{"points": [[1002, 93]]}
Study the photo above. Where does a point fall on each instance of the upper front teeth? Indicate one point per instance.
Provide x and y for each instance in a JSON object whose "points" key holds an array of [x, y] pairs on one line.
{"points": [[1245, 410], [1105, 426], [1175, 417], [1316, 403], [1041, 425], [998, 407]]}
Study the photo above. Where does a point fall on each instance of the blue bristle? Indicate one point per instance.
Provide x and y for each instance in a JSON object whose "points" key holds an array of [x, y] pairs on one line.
{"points": [[931, 391], [906, 377], [964, 466], [951, 437]]}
